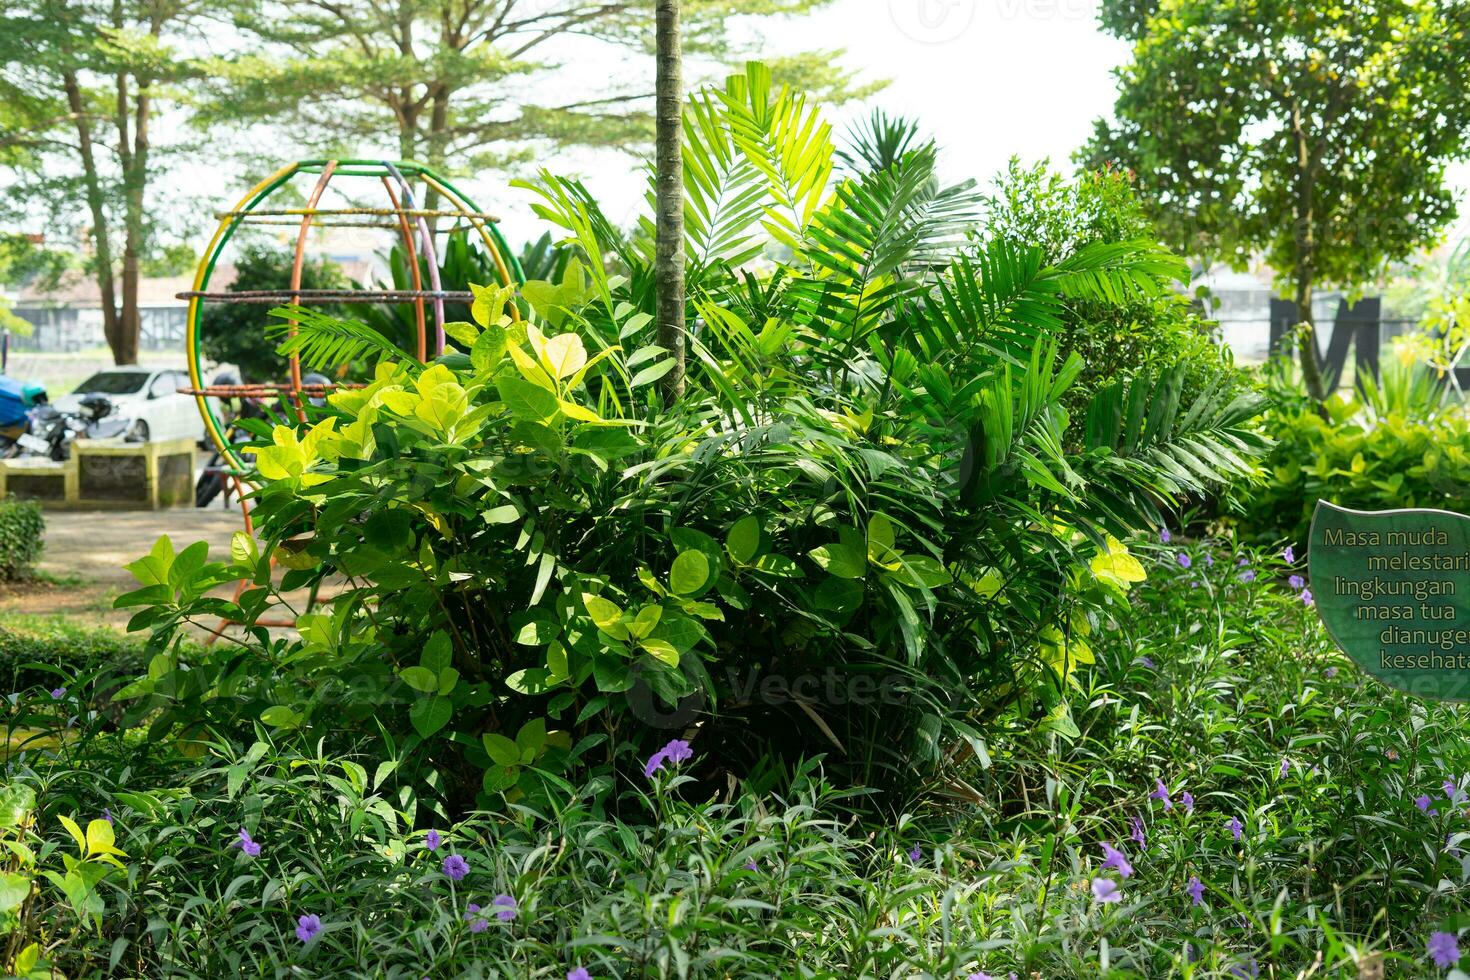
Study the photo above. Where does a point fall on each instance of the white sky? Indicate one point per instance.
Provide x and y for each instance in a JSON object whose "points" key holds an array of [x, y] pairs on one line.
{"points": [[988, 78]]}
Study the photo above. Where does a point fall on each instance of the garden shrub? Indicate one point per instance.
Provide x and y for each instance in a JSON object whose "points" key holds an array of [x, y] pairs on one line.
{"points": [[43, 652], [870, 525], [22, 536], [1392, 445]]}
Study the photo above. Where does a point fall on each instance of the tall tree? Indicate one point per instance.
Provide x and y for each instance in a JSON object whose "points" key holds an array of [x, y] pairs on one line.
{"points": [[475, 82], [669, 207], [80, 87], [1314, 135]]}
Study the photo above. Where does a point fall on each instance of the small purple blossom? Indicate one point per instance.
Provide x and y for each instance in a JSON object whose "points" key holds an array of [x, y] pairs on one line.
{"points": [[1296, 581], [578, 973], [456, 867], [247, 844], [478, 923], [1444, 949], [1161, 794], [1246, 970], [307, 926], [505, 907], [1137, 835], [676, 751], [751, 865], [1451, 790], [1147, 661], [1235, 827], [1285, 767], [1187, 799], [1330, 673], [57, 693], [1209, 560], [1422, 802], [1117, 860], [1165, 536], [432, 840], [1196, 891], [1307, 599], [1247, 576], [1106, 891], [1184, 560], [1289, 555], [916, 854], [107, 814], [979, 975]]}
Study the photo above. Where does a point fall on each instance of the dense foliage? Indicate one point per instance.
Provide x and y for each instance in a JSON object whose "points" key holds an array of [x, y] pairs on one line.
{"points": [[1221, 743], [1399, 442], [22, 535], [872, 488]]}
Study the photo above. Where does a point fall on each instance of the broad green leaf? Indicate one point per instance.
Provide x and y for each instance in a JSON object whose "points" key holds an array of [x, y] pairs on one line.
{"points": [[17, 802], [689, 574], [464, 334], [501, 750], [421, 679], [526, 400], [430, 715], [662, 650], [563, 355], [605, 613], [280, 716], [743, 541], [841, 559]]}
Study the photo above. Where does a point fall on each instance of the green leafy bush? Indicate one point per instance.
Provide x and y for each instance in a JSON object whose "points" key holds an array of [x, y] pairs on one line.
{"points": [[22, 536], [46, 651], [1396, 444], [872, 488]]}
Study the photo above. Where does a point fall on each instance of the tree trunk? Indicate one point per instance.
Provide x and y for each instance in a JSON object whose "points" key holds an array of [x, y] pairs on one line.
{"points": [[1305, 274], [100, 243], [669, 251]]}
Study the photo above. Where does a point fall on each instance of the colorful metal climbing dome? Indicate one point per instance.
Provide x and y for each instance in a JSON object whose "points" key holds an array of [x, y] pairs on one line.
{"points": [[326, 182], [417, 228]]}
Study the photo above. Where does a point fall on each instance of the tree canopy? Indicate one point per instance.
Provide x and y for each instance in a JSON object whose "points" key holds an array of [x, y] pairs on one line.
{"points": [[1313, 135]]}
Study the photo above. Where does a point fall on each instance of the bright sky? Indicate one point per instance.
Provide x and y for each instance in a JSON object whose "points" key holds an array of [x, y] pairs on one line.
{"points": [[987, 78]]}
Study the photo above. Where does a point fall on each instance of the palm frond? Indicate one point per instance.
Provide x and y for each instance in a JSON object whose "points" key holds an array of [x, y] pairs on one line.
{"points": [[326, 342]]}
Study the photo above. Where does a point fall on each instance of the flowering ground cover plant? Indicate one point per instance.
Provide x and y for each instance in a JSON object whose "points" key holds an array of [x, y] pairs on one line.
{"points": [[1239, 802], [872, 475]]}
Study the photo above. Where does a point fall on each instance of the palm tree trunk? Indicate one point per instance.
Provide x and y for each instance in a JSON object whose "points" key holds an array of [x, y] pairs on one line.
{"points": [[669, 251]]}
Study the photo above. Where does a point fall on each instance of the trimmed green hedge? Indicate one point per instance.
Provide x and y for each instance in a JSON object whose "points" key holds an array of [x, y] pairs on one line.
{"points": [[22, 529], [70, 648]]}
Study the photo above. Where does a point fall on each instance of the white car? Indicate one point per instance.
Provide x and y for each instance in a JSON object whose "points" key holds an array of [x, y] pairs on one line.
{"points": [[147, 398]]}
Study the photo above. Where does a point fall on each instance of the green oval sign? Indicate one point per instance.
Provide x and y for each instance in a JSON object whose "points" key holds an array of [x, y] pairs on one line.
{"points": [[1393, 589]]}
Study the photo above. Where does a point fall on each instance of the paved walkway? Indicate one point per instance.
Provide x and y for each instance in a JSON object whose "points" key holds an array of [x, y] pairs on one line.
{"points": [[86, 550]]}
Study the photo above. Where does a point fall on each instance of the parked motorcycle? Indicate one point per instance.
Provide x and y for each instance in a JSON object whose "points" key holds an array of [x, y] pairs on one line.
{"points": [[95, 419]]}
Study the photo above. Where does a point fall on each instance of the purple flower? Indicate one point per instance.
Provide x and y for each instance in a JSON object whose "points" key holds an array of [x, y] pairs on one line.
{"points": [[1209, 560], [676, 751], [979, 975], [1147, 662], [1296, 581], [1444, 949], [478, 923], [57, 693], [1451, 790], [1285, 767], [1246, 971], [1161, 794], [1137, 834], [432, 840], [107, 814], [1235, 827], [307, 926], [1165, 536], [1195, 890], [1249, 575], [1184, 560], [751, 865], [916, 854], [1188, 800], [1117, 860], [505, 907], [247, 844], [456, 867], [1307, 599], [1330, 673], [578, 973], [1106, 891], [1289, 555], [1422, 802]]}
